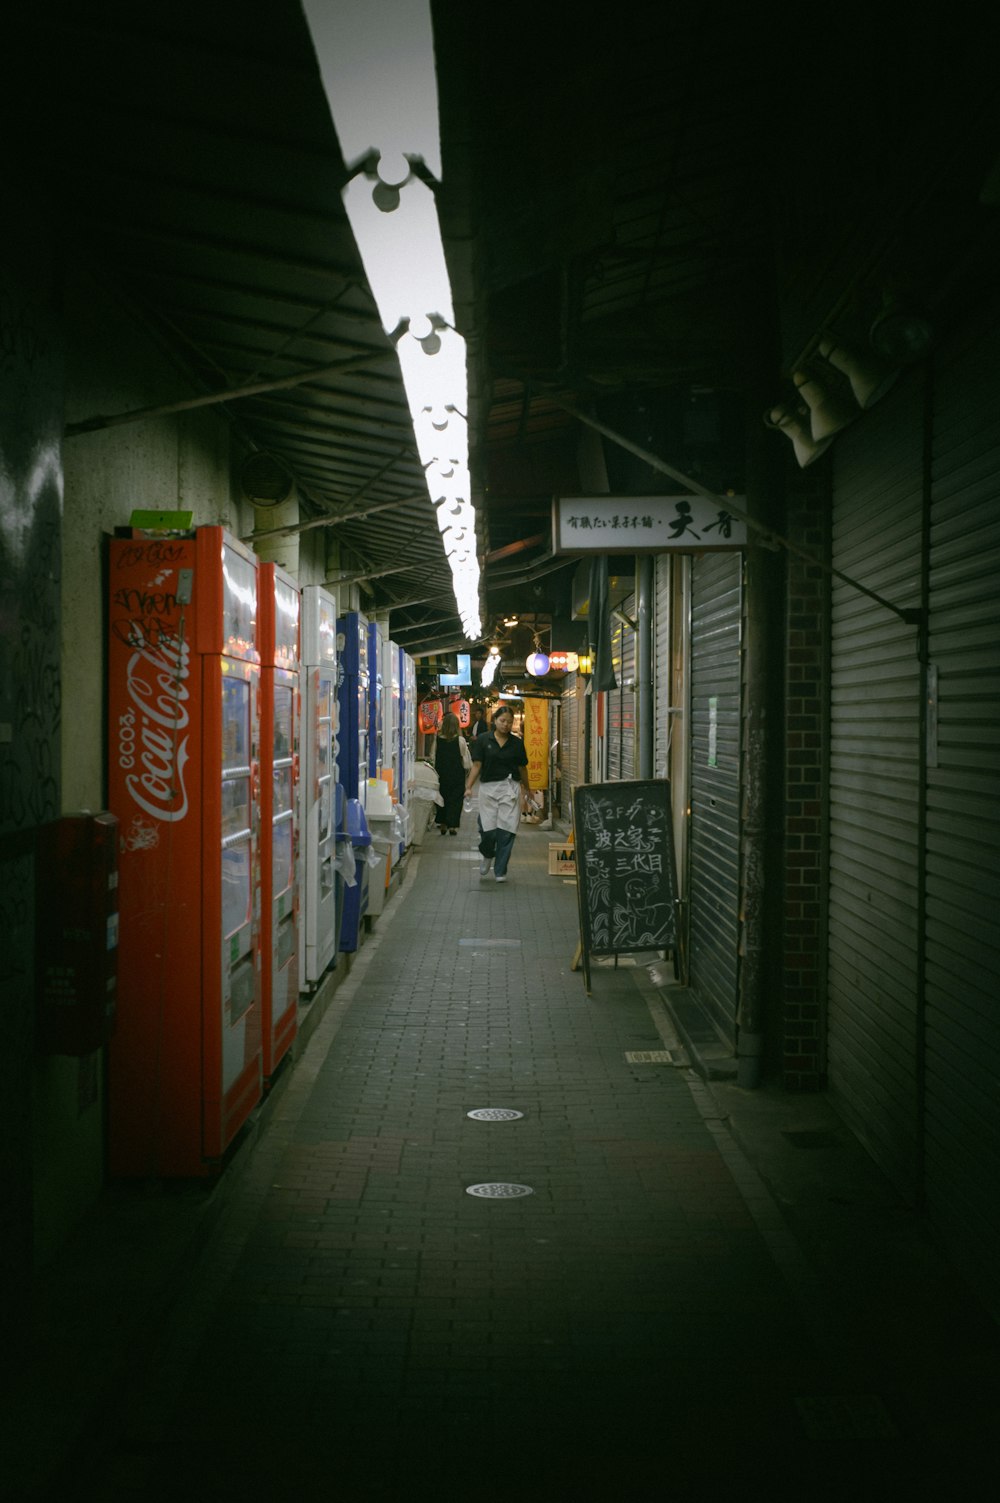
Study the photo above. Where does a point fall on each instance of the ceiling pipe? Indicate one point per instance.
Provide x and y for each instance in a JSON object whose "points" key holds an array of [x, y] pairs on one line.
{"points": [[140, 414], [518, 547], [346, 516], [361, 574], [444, 644], [545, 565], [417, 632]]}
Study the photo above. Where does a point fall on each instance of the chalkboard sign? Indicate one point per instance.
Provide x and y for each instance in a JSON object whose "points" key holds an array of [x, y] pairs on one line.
{"points": [[625, 868]]}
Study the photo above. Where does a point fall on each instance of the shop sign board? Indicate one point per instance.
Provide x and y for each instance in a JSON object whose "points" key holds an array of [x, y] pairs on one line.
{"points": [[648, 524]]}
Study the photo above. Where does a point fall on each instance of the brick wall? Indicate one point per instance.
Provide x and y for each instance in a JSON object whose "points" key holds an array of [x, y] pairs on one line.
{"points": [[806, 749]]}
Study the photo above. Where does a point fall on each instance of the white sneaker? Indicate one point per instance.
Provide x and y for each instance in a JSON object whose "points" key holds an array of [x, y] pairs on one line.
{"points": [[484, 866], [499, 879]]}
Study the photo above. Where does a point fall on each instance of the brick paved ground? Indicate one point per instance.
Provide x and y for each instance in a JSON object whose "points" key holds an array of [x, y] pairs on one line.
{"points": [[642, 1325]]}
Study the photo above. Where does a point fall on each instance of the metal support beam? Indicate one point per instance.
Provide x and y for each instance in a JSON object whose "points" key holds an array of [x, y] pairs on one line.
{"points": [[360, 575]]}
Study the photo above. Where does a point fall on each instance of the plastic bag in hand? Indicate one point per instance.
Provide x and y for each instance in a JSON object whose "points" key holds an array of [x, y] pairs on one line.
{"points": [[344, 862]]}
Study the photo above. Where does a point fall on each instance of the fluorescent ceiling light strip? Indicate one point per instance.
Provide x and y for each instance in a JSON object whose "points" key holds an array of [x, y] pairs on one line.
{"points": [[402, 253], [437, 387], [376, 60]]}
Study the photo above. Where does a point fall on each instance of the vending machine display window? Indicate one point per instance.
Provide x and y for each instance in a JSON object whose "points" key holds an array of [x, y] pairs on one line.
{"points": [[281, 819], [278, 627], [239, 603], [325, 771]]}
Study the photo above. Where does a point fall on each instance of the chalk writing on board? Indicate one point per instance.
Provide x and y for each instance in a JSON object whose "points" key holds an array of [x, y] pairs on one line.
{"points": [[625, 862]]}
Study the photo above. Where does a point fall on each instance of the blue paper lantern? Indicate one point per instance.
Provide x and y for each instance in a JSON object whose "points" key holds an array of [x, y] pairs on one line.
{"points": [[537, 664]]}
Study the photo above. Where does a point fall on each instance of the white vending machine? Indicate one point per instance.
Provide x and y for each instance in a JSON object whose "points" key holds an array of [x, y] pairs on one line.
{"points": [[320, 788], [391, 690], [408, 735]]}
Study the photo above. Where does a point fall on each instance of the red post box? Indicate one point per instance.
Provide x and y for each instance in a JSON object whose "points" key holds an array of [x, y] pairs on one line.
{"points": [[76, 926]]}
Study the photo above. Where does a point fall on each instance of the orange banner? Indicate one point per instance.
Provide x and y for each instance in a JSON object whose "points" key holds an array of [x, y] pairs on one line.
{"points": [[536, 741]]}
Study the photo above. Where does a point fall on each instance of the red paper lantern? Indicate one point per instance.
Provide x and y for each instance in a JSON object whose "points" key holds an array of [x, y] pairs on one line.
{"points": [[430, 716], [463, 710]]}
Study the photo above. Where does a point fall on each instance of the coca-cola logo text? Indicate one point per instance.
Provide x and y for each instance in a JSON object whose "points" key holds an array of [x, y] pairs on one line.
{"points": [[156, 684]]}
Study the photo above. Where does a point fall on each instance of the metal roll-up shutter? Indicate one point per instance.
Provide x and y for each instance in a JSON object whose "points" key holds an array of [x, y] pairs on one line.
{"points": [[716, 602], [874, 780], [661, 666], [613, 731], [569, 746], [962, 977], [621, 701], [629, 609]]}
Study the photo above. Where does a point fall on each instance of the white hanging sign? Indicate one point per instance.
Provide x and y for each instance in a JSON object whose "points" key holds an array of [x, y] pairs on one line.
{"points": [[647, 524]]}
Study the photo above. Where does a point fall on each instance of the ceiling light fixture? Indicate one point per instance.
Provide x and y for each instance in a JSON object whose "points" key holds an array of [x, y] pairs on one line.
{"points": [[828, 412], [537, 662], [490, 666], [900, 333], [870, 377], [792, 419]]}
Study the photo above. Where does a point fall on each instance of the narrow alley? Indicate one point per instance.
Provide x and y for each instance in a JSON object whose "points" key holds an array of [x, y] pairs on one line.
{"points": [[705, 1290]]}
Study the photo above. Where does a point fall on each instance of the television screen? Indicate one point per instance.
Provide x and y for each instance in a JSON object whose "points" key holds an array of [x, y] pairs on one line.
{"points": [[463, 674]]}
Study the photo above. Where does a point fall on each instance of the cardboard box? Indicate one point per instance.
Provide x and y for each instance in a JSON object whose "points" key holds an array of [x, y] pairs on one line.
{"points": [[562, 860]]}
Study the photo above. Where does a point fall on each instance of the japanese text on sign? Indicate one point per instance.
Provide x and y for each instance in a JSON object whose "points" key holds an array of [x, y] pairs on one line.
{"points": [[652, 524], [625, 866]]}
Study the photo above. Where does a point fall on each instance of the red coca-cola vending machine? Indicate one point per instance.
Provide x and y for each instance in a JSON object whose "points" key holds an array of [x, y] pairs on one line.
{"points": [[279, 851], [184, 781]]}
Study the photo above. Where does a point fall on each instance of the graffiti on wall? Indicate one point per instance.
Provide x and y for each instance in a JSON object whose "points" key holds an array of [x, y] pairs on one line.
{"points": [[31, 401]]}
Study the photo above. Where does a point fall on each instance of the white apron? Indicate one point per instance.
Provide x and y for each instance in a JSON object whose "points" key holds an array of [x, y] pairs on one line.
{"points": [[500, 805]]}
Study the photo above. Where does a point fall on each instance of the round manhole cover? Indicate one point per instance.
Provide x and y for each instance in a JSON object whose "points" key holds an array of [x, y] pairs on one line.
{"points": [[494, 1114], [499, 1191]]}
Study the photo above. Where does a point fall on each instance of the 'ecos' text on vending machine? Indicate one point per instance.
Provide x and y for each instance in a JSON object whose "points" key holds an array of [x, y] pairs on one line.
{"points": [[185, 1063]]}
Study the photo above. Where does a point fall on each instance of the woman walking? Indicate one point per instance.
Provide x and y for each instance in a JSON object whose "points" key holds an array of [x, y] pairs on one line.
{"points": [[451, 763], [500, 767]]}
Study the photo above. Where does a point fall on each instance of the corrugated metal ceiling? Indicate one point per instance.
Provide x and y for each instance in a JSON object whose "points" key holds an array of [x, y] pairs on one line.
{"points": [[194, 162], [621, 192], [193, 151]]}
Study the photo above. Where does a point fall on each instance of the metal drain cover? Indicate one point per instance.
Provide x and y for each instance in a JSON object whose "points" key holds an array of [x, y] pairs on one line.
{"points": [[649, 1057], [493, 944], [494, 1114], [499, 1190]]}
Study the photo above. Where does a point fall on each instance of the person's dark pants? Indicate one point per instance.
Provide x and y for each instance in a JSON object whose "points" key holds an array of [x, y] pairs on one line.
{"points": [[496, 846]]}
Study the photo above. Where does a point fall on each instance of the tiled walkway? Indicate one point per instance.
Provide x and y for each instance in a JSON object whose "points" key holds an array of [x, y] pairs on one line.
{"points": [[647, 1323]]}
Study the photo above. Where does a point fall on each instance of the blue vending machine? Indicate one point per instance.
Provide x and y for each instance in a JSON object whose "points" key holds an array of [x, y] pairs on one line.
{"points": [[353, 687]]}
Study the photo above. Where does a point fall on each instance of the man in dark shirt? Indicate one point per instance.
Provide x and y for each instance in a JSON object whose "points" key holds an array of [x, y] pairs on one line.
{"points": [[500, 767]]}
